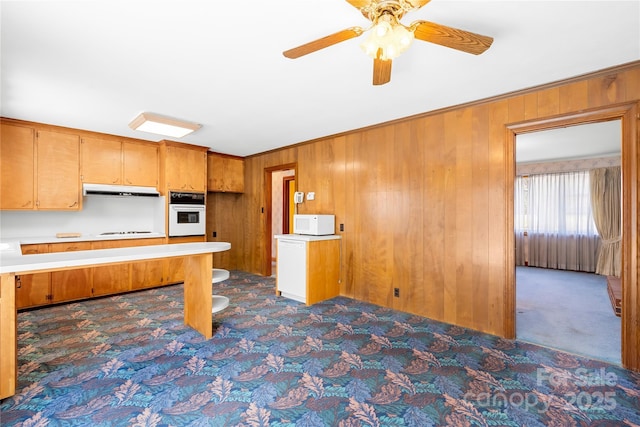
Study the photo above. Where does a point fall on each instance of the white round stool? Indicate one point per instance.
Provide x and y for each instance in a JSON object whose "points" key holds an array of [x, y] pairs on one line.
{"points": [[219, 302]]}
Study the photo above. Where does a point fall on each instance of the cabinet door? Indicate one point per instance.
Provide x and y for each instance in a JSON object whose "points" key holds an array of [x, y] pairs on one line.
{"points": [[74, 284], [291, 266], [33, 289], [186, 169], [110, 279], [215, 173], [225, 174], [16, 167], [174, 270], [197, 172], [101, 161], [233, 175], [174, 267], [140, 164], [58, 175], [146, 274]]}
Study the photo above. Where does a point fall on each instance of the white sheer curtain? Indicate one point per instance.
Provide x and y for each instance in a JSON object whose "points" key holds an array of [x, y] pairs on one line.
{"points": [[520, 218], [560, 227]]}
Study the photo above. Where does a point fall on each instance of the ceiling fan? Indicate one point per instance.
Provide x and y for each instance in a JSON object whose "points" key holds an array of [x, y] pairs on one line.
{"points": [[389, 37]]}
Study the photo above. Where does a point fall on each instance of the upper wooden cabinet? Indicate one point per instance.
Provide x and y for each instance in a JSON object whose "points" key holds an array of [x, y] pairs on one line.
{"points": [[140, 164], [40, 169], [58, 172], [17, 167], [184, 167], [101, 161], [109, 161], [225, 174]]}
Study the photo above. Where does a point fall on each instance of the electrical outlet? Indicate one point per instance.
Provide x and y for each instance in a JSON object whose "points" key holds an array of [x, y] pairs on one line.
{"points": [[396, 292], [215, 234], [341, 227]]}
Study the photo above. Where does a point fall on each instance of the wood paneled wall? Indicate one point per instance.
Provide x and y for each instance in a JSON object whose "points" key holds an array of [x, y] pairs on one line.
{"points": [[426, 204]]}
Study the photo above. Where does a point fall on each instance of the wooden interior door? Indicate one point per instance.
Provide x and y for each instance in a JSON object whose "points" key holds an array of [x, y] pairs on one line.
{"points": [[288, 205]]}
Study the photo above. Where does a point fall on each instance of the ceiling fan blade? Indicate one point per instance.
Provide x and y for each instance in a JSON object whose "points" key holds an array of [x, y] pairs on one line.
{"points": [[359, 4], [327, 41], [417, 4], [381, 71], [451, 37]]}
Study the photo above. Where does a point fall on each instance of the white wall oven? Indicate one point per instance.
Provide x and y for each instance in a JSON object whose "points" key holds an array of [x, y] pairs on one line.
{"points": [[187, 214]]}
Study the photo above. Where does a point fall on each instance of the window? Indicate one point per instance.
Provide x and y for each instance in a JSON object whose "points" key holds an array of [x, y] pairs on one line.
{"points": [[554, 226]]}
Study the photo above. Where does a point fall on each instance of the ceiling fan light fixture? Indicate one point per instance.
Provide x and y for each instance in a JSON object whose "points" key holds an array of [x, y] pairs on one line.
{"points": [[161, 125], [388, 39]]}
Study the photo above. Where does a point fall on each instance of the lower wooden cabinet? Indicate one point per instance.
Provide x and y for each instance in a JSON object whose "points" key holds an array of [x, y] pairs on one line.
{"points": [[148, 274], [33, 290], [113, 279], [70, 284]]}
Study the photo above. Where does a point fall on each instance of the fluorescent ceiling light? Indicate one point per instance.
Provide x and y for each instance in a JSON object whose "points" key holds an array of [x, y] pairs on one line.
{"points": [[154, 123]]}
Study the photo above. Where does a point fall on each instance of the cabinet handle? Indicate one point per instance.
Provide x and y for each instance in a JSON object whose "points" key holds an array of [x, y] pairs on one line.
{"points": [[115, 181], [27, 204], [74, 204], [18, 282]]}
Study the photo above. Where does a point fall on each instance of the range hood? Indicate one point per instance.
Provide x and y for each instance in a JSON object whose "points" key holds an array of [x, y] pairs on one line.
{"points": [[118, 190]]}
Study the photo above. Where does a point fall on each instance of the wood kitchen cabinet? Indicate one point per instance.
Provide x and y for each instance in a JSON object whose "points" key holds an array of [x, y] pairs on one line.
{"points": [[39, 289], [101, 161], [44, 288], [110, 279], [33, 289], [184, 167], [70, 285], [225, 173], [140, 164], [39, 169], [58, 172], [125, 277], [110, 161], [146, 274], [17, 163], [174, 267]]}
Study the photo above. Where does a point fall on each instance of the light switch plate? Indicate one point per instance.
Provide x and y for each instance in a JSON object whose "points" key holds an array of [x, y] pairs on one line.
{"points": [[311, 195]]}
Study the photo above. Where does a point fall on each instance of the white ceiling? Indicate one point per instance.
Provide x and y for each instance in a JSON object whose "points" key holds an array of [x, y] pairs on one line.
{"points": [[96, 64]]}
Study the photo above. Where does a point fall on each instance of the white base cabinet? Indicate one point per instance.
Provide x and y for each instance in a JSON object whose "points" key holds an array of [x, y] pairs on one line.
{"points": [[308, 267]]}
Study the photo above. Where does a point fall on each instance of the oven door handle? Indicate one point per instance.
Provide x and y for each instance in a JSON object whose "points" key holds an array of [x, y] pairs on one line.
{"points": [[189, 209]]}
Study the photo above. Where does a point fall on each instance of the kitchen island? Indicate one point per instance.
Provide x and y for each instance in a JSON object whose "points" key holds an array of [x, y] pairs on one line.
{"points": [[197, 286]]}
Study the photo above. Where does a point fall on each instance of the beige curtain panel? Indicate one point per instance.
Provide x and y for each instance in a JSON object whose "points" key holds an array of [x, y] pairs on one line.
{"points": [[605, 205]]}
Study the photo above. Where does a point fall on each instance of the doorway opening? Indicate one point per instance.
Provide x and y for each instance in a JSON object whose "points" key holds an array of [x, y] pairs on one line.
{"points": [[561, 301], [629, 283], [280, 185]]}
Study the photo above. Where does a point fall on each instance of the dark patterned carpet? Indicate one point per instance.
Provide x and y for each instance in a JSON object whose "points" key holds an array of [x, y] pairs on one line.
{"points": [[129, 361]]}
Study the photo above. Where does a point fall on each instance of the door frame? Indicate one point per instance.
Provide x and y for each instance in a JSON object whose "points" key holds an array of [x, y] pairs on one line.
{"points": [[627, 114], [268, 200]]}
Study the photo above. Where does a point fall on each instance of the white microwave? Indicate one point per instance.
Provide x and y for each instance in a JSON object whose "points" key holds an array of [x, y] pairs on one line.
{"points": [[316, 225]]}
